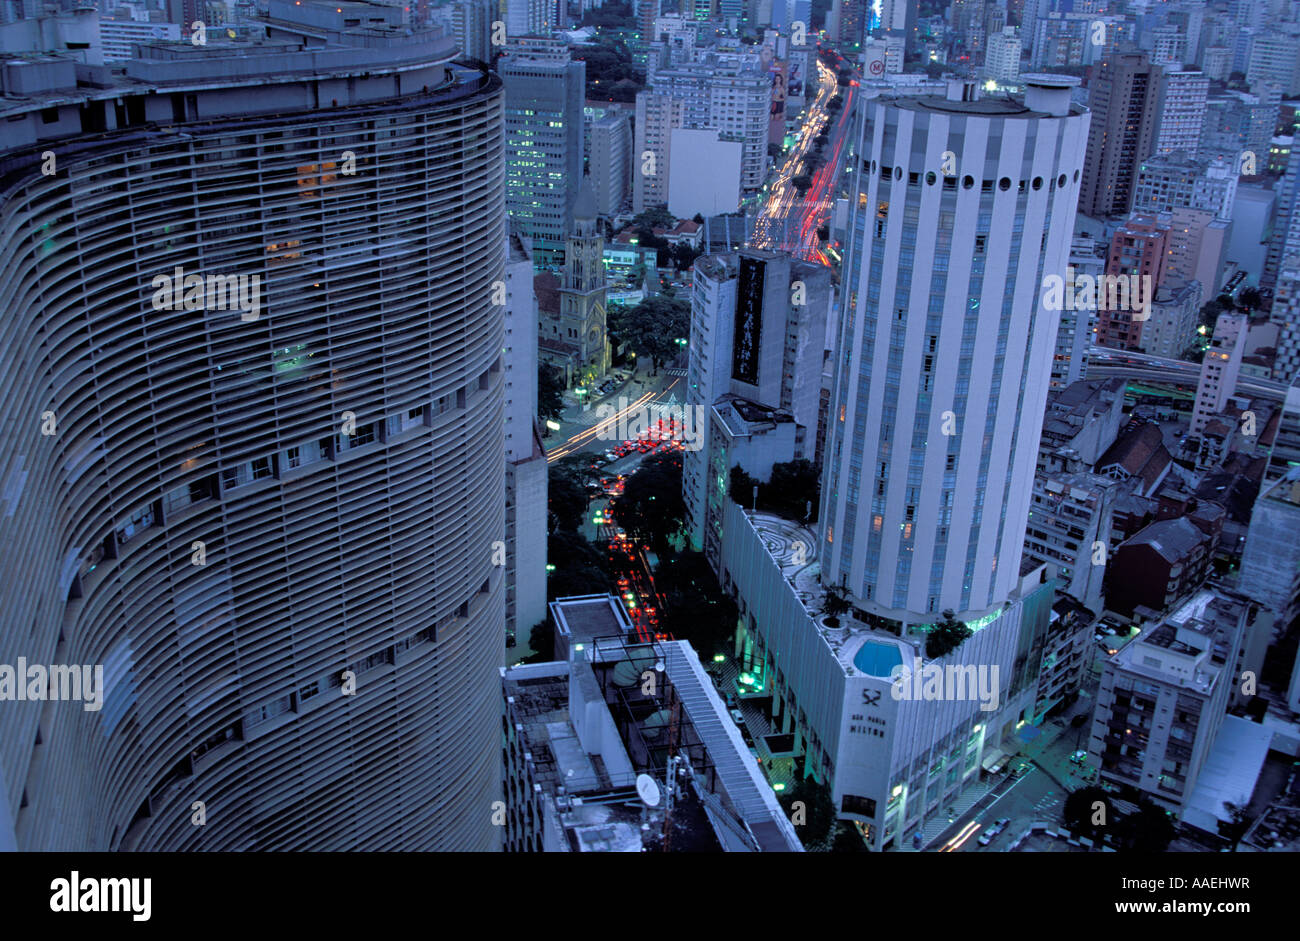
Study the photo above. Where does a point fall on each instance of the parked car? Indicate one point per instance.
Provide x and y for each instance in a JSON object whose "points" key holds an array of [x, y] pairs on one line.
{"points": [[992, 832]]}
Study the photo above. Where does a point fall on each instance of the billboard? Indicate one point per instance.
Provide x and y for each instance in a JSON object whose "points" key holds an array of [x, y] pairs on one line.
{"points": [[749, 320], [776, 124]]}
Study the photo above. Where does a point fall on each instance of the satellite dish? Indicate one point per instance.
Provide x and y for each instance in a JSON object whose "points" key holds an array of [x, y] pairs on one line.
{"points": [[648, 790]]}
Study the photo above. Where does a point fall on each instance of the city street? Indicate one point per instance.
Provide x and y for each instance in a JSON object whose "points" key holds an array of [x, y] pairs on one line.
{"points": [[788, 222], [582, 432], [1037, 795]]}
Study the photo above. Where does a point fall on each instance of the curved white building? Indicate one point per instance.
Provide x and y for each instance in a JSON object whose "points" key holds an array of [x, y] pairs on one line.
{"points": [[944, 355], [272, 526]]}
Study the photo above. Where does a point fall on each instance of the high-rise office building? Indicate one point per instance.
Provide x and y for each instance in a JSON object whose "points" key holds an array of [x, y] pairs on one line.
{"points": [[610, 161], [1163, 698], [1237, 121], [1177, 181], [945, 353], [526, 482], [1002, 60], [1286, 313], [1275, 58], [470, 21], [730, 94], [266, 496], [656, 117], [1138, 250], [1123, 99], [1283, 244], [543, 119], [1196, 245], [1182, 111], [1270, 561], [1168, 45], [529, 17], [1220, 368], [758, 332]]}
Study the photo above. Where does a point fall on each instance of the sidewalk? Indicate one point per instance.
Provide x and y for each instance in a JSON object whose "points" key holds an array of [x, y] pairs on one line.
{"points": [[934, 828]]}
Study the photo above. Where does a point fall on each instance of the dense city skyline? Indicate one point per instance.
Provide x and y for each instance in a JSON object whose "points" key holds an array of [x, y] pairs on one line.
{"points": [[641, 426]]}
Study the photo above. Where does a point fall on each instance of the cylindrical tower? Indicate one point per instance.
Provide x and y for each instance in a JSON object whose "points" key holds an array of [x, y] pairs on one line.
{"points": [[943, 361], [268, 515]]}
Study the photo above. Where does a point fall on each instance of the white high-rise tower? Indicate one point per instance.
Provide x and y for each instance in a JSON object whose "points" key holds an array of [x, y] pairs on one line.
{"points": [[944, 356]]}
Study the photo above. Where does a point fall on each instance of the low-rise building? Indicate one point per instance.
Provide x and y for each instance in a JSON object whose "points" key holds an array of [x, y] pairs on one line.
{"points": [[1069, 529], [1163, 698], [1156, 567], [625, 746]]}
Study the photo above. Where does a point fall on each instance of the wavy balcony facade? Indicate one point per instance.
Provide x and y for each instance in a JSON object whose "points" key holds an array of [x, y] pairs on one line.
{"points": [[273, 532]]}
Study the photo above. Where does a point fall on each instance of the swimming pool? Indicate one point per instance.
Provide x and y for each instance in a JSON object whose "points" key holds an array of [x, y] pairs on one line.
{"points": [[877, 658]]}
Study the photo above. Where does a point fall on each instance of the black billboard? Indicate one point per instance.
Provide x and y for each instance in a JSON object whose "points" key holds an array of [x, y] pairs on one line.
{"points": [[749, 321]]}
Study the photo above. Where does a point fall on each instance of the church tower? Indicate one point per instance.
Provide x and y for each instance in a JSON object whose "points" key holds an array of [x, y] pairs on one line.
{"points": [[582, 291]]}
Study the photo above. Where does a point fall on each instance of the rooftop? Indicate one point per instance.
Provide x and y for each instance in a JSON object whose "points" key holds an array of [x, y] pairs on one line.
{"points": [[1174, 539]]}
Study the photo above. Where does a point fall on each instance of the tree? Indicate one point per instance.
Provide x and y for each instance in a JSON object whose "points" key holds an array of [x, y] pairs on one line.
{"points": [[683, 255], [847, 839], [696, 609], [1149, 830], [579, 567], [647, 239], [802, 183], [653, 327], [1211, 309], [541, 640], [740, 487], [651, 504], [623, 91], [654, 216], [946, 636], [566, 488], [792, 486], [698, 219], [550, 391], [1080, 810], [811, 808], [1239, 821], [835, 603], [1249, 299]]}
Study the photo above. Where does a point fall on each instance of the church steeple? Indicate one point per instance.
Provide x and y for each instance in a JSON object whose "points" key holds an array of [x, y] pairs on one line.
{"points": [[584, 209], [584, 269], [582, 294]]}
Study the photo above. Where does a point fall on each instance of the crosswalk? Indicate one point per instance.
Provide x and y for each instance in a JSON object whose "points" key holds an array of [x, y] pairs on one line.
{"points": [[675, 371], [1047, 803]]}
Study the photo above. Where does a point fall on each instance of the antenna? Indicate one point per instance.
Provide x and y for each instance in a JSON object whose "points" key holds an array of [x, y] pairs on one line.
{"points": [[647, 788]]}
